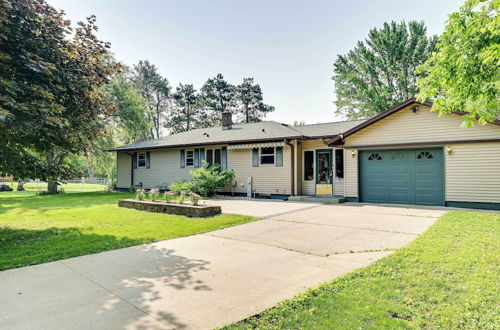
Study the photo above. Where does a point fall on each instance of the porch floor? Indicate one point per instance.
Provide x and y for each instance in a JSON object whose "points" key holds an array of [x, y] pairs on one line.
{"points": [[336, 199]]}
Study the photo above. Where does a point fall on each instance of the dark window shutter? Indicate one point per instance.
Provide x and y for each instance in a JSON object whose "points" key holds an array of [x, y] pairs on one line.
{"points": [[183, 158], [196, 158], [279, 156], [134, 160], [224, 158], [255, 157], [202, 156], [148, 159]]}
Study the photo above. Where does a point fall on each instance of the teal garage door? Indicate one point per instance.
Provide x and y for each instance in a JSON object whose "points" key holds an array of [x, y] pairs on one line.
{"points": [[410, 176]]}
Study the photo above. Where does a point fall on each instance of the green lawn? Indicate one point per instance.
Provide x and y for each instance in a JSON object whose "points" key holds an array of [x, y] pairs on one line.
{"points": [[32, 187], [447, 278], [38, 229]]}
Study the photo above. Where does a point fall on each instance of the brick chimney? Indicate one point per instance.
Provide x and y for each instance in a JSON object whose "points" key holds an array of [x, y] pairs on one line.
{"points": [[227, 119]]}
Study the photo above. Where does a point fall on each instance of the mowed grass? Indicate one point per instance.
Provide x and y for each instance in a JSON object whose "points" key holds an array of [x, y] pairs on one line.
{"points": [[32, 187], [447, 278], [38, 229]]}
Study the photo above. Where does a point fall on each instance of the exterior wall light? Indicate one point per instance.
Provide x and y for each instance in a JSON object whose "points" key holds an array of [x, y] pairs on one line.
{"points": [[353, 153], [449, 150]]}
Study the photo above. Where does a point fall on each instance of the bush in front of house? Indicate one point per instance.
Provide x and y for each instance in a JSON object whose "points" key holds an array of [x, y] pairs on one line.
{"points": [[195, 198], [154, 193], [206, 180], [169, 196], [180, 186]]}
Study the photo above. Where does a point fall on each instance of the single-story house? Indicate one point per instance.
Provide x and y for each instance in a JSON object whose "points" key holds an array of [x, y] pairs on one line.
{"points": [[407, 155]]}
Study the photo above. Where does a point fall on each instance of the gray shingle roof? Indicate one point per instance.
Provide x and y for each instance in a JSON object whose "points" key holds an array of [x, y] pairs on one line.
{"points": [[241, 133]]}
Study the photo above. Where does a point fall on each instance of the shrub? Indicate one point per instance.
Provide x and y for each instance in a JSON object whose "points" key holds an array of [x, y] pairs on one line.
{"points": [[139, 194], [133, 189], [182, 197], [195, 198], [153, 193], [169, 195], [181, 186], [206, 180]]}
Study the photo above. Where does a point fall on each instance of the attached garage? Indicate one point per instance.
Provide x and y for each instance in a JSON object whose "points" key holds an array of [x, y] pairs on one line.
{"points": [[402, 176], [411, 155]]}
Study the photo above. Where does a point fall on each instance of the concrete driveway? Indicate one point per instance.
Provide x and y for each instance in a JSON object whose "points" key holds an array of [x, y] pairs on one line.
{"points": [[212, 279]]}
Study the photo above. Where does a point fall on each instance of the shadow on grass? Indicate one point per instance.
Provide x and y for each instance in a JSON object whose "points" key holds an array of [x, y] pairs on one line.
{"points": [[23, 247]]}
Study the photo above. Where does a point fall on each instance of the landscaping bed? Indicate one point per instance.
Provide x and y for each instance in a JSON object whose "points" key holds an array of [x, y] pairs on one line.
{"points": [[187, 210]]}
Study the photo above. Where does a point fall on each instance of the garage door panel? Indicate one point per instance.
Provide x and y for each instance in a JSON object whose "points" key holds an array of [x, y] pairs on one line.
{"points": [[402, 176]]}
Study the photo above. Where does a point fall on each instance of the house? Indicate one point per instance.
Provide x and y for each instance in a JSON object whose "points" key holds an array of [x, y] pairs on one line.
{"points": [[407, 155]]}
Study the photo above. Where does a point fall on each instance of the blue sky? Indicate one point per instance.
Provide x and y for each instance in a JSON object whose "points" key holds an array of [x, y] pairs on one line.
{"points": [[288, 46]]}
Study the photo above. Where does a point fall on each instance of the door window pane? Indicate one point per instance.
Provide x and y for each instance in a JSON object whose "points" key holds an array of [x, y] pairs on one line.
{"points": [[339, 164], [308, 165], [324, 166]]}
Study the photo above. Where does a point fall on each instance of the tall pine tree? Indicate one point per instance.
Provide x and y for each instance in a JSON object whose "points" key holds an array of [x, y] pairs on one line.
{"points": [[249, 95]]}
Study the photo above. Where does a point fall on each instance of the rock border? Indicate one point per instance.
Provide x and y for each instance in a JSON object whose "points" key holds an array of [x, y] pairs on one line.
{"points": [[198, 211]]}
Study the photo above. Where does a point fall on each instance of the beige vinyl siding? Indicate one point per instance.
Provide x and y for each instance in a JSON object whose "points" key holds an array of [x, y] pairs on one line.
{"points": [[422, 126], [351, 172], [164, 169], [472, 172], [123, 164], [267, 179]]}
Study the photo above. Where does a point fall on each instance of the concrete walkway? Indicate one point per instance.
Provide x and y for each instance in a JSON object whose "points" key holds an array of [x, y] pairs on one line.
{"points": [[207, 280]]}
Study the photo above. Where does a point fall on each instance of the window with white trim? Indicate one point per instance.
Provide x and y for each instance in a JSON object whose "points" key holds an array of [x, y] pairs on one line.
{"points": [[189, 157], [141, 160], [267, 155]]}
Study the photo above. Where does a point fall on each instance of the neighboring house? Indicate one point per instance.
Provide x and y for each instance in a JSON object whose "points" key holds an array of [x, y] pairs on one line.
{"points": [[406, 155]]}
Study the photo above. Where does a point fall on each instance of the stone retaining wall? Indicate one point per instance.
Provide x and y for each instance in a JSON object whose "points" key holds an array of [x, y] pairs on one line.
{"points": [[170, 208]]}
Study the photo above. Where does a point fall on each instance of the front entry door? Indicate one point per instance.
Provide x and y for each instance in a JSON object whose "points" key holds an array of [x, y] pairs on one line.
{"points": [[324, 172]]}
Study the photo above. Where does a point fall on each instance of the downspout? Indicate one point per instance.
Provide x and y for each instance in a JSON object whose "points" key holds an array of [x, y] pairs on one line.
{"points": [[292, 162]]}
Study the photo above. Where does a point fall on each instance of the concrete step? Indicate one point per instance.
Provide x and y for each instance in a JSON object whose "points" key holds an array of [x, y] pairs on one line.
{"points": [[318, 199]]}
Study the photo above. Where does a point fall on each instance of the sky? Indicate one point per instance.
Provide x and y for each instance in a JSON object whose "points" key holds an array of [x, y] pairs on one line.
{"points": [[288, 47]]}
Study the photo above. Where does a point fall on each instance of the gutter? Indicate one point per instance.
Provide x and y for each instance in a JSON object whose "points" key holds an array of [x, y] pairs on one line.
{"points": [[292, 162]]}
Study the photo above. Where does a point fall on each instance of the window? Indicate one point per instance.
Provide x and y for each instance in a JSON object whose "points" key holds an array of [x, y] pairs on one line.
{"points": [[308, 165], [339, 163], [425, 155], [189, 157], [213, 156], [141, 160], [267, 156], [398, 156], [375, 157]]}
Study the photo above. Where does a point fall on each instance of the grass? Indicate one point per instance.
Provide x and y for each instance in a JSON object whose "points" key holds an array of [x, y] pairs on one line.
{"points": [[446, 278], [38, 229], [32, 187]]}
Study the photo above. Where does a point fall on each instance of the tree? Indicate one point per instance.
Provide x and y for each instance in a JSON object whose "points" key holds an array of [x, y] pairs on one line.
{"points": [[380, 72], [51, 100], [217, 95], [155, 89], [186, 112], [249, 94], [464, 73], [298, 123], [129, 123]]}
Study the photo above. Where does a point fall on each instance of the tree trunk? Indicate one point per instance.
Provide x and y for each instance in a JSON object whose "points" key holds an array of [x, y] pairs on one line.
{"points": [[246, 113], [52, 187], [20, 185]]}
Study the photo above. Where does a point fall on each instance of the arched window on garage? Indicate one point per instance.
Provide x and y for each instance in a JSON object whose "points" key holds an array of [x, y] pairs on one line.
{"points": [[425, 155], [375, 156]]}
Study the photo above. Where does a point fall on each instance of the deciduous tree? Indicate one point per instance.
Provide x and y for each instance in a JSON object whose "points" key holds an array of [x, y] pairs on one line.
{"points": [[51, 100], [464, 74], [380, 72]]}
